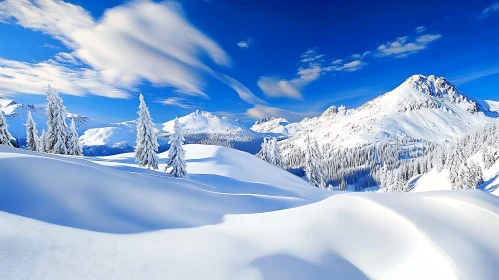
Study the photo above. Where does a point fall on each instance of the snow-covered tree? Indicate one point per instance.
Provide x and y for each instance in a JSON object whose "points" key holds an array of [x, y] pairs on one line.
{"points": [[42, 142], [5, 136], [276, 153], [32, 140], [57, 132], [146, 144], [176, 154], [343, 185], [313, 164], [264, 152], [74, 145]]}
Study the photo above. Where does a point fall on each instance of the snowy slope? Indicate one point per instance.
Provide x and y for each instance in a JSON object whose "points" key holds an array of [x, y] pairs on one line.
{"points": [[434, 180], [66, 219], [428, 108]]}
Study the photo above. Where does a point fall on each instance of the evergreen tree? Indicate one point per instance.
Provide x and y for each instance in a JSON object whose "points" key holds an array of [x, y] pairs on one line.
{"points": [[32, 140], [146, 144], [57, 132], [276, 153], [313, 164], [42, 141], [5, 136], [176, 154], [74, 146], [264, 152]]}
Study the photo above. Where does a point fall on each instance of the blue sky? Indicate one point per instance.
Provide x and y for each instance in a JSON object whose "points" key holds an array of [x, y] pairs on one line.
{"points": [[242, 59]]}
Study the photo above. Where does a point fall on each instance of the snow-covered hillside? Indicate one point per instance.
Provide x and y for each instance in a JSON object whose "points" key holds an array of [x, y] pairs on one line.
{"points": [[105, 218], [427, 108]]}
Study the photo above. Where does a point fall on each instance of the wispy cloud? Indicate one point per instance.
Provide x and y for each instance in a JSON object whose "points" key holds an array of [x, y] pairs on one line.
{"points": [[50, 46], [178, 102], [128, 45], [310, 69], [489, 11], [406, 45], [420, 29], [245, 43], [461, 79]]}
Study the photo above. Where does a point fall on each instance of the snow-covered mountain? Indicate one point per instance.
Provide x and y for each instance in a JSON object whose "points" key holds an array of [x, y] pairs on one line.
{"points": [[271, 125], [428, 108], [201, 122]]}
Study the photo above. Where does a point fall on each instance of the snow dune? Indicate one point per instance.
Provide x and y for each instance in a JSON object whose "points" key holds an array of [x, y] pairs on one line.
{"points": [[104, 218]]}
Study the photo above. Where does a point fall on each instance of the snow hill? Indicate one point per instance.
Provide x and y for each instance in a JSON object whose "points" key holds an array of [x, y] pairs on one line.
{"points": [[423, 107], [104, 218]]}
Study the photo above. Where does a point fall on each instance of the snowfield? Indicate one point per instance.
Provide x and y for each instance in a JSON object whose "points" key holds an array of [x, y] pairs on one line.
{"points": [[65, 217]]}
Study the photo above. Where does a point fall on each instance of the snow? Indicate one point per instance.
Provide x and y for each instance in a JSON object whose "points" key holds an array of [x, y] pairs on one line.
{"points": [[205, 122], [427, 108], [106, 218], [271, 125]]}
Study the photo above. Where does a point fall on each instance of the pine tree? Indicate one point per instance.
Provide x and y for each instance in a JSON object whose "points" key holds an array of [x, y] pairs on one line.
{"points": [[313, 167], [74, 146], [264, 152], [32, 140], [5, 136], [276, 153], [176, 154], [56, 123], [42, 141], [146, 144]]}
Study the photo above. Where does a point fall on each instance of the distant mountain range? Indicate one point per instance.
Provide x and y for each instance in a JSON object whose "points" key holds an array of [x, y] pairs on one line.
{"points": [[423, 108]]}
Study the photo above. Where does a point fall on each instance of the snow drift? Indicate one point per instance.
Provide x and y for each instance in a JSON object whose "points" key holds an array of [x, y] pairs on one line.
{"points": [[67, 217]]}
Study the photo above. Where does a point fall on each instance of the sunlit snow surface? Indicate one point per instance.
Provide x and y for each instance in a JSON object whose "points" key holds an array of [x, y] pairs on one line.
{"points": [[105, 218]]}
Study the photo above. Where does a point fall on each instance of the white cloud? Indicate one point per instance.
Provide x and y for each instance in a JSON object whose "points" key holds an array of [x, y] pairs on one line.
{"points": [[135, 42], [406, 45], [349, 67], [337, 61], [490, 10], [245, 43], [33, 78], [243, 92], [309, 71], [50, 46], [178, 102], [260, 112], [64, 57]]}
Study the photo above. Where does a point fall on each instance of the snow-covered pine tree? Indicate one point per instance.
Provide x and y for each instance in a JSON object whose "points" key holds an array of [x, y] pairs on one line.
{"points": [[264, 152], [74, 146], [313, 167], [32, 140], [176, 154], [57, 132], [146, 144], [43, 141], [5, 136], [273, 150]]}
